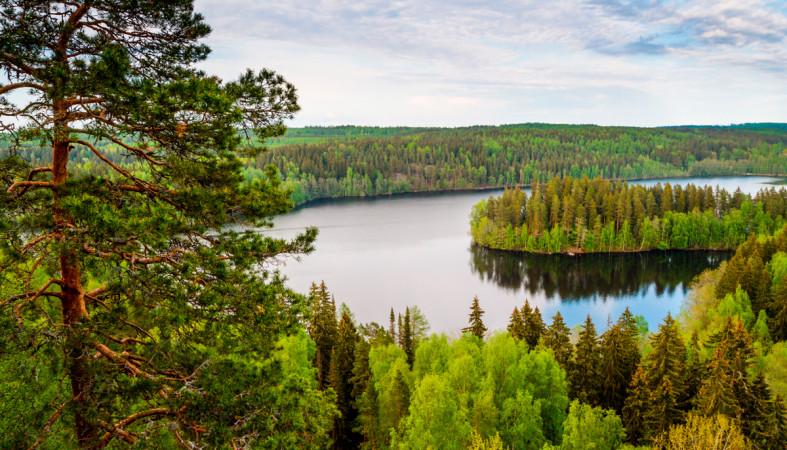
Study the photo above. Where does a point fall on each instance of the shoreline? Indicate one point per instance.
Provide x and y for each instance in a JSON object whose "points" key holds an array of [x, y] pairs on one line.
{"points": [[526, 185]]}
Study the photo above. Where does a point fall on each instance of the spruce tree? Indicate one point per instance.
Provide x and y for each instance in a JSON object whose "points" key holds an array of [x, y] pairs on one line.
{"points": [[534, 327], [516, 326], [399, 331], [557, 338], [341, 381], [392, 326], [665, 379], [695, 372], [135, 279], [322, 328], [727, 388], [476, 327], [636, 405], [407, 341], [619, 359], [583, 376]]}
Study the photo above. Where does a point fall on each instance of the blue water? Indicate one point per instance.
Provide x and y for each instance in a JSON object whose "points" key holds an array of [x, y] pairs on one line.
{"points": [[375, 254]]}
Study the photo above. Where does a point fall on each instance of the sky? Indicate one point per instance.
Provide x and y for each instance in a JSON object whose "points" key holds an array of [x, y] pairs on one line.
{"points": [[467, 62]]}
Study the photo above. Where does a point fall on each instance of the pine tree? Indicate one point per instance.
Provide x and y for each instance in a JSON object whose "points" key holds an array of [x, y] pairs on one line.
{"points": [[516, 326], [583, 375], [557, 338], [476, 327], [341, 381], [138, 272]]}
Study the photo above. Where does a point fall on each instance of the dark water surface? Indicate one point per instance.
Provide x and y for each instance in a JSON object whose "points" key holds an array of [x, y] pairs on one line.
{"points": [[374, 254]]}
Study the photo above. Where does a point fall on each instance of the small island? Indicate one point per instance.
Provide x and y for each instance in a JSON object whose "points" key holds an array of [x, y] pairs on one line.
{"points": [[583, 216]]}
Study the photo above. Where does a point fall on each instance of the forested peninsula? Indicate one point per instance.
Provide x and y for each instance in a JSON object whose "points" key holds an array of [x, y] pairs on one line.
{"points": [[581, 215]]}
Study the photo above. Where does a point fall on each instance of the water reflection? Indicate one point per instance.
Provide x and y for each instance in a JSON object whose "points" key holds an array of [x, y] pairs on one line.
{"points": [[590, 276]]}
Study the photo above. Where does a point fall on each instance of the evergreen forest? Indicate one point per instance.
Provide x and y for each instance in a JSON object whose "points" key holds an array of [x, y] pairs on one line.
{"points": [[140, 306], [571, 216], [328, 162]]}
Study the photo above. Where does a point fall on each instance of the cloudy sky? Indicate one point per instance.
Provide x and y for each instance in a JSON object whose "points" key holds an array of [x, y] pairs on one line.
{"points": [[466, 62]]}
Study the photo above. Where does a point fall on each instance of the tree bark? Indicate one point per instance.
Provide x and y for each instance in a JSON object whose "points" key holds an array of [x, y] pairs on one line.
{"points": [[77, 360]]}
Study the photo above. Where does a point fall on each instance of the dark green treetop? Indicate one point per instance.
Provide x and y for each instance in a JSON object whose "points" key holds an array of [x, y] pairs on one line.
{"points": [[476, 327]]}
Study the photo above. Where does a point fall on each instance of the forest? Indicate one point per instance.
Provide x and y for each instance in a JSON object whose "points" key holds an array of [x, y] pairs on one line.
{"points": [[376, 161], [581, 215], [141, 308], [328, 162], [713, 373]]}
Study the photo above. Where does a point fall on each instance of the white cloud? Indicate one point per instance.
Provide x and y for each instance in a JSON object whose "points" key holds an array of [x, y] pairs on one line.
{"points": [[437, 63]]}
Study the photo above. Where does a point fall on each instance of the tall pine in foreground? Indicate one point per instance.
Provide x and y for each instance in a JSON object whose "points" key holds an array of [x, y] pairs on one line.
{"points": [[134, 285], [476, 327]]}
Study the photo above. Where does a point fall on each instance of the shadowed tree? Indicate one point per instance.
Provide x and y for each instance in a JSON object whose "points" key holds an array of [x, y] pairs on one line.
{"points": [[342, 382], [159, 304], [583, 376]]}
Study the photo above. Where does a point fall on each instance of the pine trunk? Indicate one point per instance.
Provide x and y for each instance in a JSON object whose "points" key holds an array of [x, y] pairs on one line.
{"points": [[72, 304]]}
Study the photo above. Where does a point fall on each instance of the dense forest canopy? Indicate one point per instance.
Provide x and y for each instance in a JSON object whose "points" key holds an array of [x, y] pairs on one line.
{"points": [[324, 162], [583, 215], [135, 314], [351, 162]]}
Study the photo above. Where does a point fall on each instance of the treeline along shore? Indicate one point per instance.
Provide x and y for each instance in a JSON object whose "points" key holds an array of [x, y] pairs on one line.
{"points": [[582, 215], [330, 162]]}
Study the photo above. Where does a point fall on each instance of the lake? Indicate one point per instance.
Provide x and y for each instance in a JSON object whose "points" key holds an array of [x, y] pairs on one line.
{"points": [[379, 253]]}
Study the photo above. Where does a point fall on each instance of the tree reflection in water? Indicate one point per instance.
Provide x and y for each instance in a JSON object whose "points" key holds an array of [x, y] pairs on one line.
{"points": [[594, 275]]}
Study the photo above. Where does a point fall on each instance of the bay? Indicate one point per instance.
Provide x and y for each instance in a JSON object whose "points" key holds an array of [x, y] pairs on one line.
{"points": [[375, 254]]}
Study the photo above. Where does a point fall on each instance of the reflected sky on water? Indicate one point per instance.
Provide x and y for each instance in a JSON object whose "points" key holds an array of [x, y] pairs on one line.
{"points": [[386, 252]]}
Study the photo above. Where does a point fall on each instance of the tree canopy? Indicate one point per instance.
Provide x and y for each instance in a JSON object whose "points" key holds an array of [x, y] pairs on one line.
{"points": [[134, 287]]}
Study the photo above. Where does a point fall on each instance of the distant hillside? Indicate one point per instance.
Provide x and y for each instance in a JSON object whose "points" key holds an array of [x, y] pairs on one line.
{"points": [[325, 162], [318, 162]]}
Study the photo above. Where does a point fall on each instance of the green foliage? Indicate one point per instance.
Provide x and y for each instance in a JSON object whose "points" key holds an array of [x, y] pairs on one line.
{"points": [[341, 374], [436, 419], [657, 394], [583, 376], [715, 432], [394, 160], [619, 359], [582, 215], [556, 337], [476, 327], [592, 428], [151, 317], [775, 369]]}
